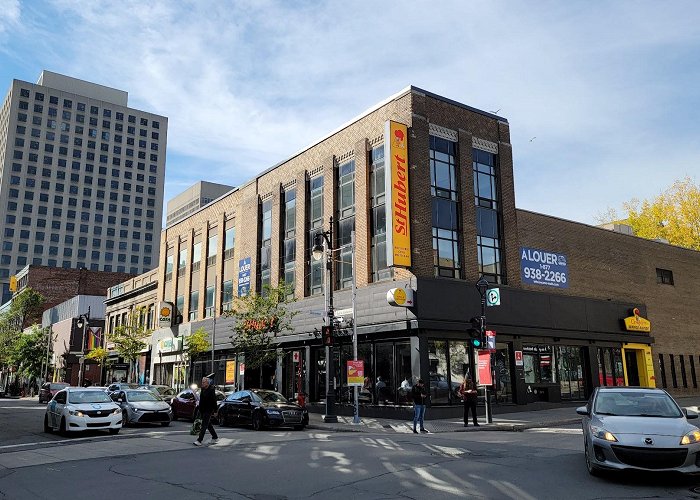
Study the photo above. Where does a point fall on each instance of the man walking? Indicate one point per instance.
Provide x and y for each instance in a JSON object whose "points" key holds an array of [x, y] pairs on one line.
{"points": [[469, 395], [420, 395], [207, 406]]}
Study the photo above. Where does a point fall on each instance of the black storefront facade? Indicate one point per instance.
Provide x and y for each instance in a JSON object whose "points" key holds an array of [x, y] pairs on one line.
{"points": [[550, 348]]}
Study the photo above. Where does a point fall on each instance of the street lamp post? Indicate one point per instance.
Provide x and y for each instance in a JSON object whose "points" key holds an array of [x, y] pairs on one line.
{"points": [[83, 321], [482, 286], [318, 252]]}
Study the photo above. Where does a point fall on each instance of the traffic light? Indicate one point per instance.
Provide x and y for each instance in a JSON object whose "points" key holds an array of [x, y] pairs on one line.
{"points": [[327, 335], [476, 340]]}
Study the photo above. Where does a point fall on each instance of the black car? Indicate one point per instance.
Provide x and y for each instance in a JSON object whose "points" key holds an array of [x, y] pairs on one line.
{"points": [[261, 408]]}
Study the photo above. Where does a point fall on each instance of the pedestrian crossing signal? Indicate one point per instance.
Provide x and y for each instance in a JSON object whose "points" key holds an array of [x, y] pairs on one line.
{"points": [[327, 335]]}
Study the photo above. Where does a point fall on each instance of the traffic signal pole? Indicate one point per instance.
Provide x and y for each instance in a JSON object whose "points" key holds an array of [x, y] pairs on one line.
{"points": [[482, 285]]}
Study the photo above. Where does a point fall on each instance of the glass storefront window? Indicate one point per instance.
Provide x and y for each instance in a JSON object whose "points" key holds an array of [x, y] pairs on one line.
{"points": [[570, 369], [610, 372], [459, 366], [439, 383], [503, 382], [403, 370], [539, 364], [384, 383]]}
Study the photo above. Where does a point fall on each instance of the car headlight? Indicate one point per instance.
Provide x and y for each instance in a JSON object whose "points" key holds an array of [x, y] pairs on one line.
{"points": [[691, 437], [601, 433], [135, 410], [273, 412], [117, 411], [74, 412]]}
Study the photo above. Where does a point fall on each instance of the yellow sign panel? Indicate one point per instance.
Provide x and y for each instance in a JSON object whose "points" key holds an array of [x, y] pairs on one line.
{"points": [[13, 283], [230, 372], [636, 323], [399, 227]]}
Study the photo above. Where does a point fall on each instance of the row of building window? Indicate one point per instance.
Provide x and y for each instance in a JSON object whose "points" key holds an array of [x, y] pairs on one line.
{"points": [[68, 264], [68, 239], [83, 228], [80, 106], [49, 135], [90, 156], [81, 254]]}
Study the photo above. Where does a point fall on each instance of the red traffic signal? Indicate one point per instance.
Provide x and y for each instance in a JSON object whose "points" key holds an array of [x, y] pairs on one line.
{"points": [[327, 335]]}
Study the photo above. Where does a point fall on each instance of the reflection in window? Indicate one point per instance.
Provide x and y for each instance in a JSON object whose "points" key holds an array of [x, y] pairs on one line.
{"points": [[315, 227], [445, 206], [487, 201], [538, 364], [289, 237], [346, 222], [439, 385], [377, 174], [265, 244]]}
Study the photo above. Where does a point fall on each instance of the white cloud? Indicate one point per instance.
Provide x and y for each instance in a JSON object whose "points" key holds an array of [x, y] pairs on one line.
{"points": [[246, 84]]}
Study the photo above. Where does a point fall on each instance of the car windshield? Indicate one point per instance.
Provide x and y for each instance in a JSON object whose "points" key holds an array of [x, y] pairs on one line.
{"points": [[134, 396], [82, 397], [270, 396], [57, 387], [636, 404]]}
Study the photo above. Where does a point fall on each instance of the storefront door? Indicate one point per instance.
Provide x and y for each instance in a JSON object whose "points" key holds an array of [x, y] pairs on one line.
{"points": [[638, 365], [632, 369]]}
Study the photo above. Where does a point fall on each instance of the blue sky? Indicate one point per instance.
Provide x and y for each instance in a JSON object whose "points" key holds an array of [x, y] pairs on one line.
{"points": [[602, 97]]}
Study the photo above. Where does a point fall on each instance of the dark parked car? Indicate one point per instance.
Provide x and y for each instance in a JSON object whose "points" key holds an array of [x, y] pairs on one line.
{"points": [[142, 406], [49, 390], [638, 428], [186, 403], [261, 408]]}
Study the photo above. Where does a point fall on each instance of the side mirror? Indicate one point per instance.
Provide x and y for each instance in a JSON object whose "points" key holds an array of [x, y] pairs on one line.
{"points": [[690, 414], [582, 410]]}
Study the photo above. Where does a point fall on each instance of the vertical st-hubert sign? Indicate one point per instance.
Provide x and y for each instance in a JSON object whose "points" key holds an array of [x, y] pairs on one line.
{"points": [[398, 231]]}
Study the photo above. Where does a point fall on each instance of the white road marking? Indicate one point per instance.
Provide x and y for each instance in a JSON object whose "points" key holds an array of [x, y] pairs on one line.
{"points": [[555, 430]]}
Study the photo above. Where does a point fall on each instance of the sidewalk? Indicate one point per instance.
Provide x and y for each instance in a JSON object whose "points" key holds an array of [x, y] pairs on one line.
{"points": [[508, 422]]}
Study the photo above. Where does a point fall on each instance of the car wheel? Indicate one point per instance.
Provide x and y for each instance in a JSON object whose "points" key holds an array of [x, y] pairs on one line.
{"points": [[62, 428], [592, 469], [47, 427], [164, 424], [257, 422], [114, 431]]}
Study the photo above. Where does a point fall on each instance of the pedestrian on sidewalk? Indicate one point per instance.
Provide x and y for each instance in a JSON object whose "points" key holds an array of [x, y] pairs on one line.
{"points": [[469, 395], [207, 407], [420, 396]]}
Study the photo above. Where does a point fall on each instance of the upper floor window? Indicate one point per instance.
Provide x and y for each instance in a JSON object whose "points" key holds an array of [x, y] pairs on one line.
{"points": [[211, 250], [664, 276], [488, 215], [265, 243], [378, 215], [346, 221], [315, 227], [289, 237], [445, 205], [229, 242], [196, 256]]}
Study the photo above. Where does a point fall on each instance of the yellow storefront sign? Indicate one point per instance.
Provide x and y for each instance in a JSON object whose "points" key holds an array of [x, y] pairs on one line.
{"points": [[636, 323], [399, 227], [230, 372]]}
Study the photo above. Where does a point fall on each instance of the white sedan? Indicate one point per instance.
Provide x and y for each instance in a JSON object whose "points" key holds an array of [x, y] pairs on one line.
{"points": [[81, 409]]}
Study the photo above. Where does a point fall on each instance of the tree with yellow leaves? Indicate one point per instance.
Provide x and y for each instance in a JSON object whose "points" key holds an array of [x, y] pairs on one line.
{"points": [[673, 215]]}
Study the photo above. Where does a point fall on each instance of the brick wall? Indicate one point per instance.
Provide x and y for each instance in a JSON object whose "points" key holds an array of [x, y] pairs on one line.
{"points": [[607, 265]]}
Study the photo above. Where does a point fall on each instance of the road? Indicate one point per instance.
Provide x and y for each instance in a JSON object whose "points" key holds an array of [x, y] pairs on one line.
{"points": [[157, 462]]}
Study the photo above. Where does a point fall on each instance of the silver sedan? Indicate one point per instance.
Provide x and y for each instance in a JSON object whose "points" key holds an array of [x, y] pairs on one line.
{"points": [[142, 406], [637, 428]]}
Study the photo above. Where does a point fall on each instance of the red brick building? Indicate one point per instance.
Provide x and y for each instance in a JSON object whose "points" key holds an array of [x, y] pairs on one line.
{"points": [[560, 327]]}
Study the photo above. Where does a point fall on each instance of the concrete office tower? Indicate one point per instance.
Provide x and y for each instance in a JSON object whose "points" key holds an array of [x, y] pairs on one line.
{"points": [[81, 178], [192, 199]]}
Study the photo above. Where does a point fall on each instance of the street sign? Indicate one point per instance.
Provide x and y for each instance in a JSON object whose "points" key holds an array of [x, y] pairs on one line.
{"points": [[491, 340], [484, 364], [296, 356], [493, 297], [356, 373], [241, 369], [339, 313], [518, 358]]}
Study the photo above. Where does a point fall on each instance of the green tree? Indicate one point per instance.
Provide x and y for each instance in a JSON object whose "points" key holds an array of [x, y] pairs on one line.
{"points": [[259, 318], [673, 215], [195, 344], [99, 355], [25, 305], [29, 353], [129, 338]]}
